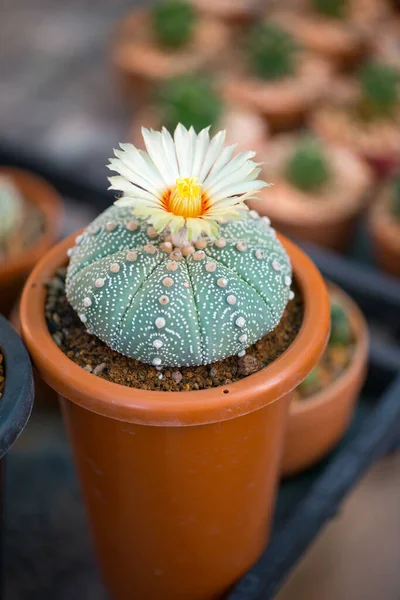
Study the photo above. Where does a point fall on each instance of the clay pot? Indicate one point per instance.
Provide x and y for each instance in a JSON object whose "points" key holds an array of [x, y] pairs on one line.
{"points": [[243, 128], [284, 103], [336, 40], [387, 43], [326, 217], [179, 486], [316, 424], [377, 142], [142, 65], [14, 271], [234, 12], [385, 233]]}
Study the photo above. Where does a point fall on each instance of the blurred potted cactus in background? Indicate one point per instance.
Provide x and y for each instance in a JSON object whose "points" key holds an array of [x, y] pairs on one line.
{"points": [[384, 226], [275, 77], [167, 40], [368, 119], [324, 402], [319, 189], [195, 100], [327, 28], [30, 212], [171, 289]]}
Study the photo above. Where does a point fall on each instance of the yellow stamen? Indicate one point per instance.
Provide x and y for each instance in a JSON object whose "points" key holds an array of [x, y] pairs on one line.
{"points": [[186, 199]]}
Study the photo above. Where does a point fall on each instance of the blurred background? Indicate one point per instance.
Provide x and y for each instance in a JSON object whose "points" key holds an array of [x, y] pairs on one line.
{"points": [[313, 86]]}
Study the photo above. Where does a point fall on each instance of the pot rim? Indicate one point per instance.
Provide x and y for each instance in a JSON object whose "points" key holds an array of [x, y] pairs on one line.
{"points": [[17, 399], [177, 408], [359, 359], [46, 198]]}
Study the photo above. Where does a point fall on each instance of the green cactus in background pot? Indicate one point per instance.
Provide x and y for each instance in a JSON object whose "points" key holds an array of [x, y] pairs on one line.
{"points": [[173, 23], [331, 8], [308, 168], [380, 88], [191, 101], [11, 206], [396, 198], [271, 52], [341, 332], [179, 272]]}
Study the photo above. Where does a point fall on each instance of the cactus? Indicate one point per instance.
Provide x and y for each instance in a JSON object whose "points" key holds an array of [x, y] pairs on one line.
{"points": [[307, 168], [271, 52], [330, 8], [396, 198], [184, 278], [11, 205], [189, 100], [380, 88], [178, 306], [173, 22], [340, 327]]}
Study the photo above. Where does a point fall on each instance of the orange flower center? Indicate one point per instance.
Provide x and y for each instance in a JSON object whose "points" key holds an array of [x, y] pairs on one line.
{"points": [[186, 198]]}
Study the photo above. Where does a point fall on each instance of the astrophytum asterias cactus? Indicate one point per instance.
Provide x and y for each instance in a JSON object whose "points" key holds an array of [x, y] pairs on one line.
{"points": [[191, 293], [11, 205]]}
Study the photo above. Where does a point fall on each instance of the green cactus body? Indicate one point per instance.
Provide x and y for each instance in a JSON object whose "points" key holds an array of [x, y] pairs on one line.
{"points": [[380, 87], [396, 199], [308, 168], [191, 101], [331, 8], [171, 306], [173, 23], [11, 205], [271, 52], [340, 326]]}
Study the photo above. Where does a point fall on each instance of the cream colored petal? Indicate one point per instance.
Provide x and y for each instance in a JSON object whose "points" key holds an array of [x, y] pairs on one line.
{"points": [[214, 150], [153, 143], [200, 151]]}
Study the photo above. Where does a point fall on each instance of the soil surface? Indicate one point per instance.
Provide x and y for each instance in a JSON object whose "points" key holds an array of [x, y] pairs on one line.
{"points": [[30, 230], [90, 353]]}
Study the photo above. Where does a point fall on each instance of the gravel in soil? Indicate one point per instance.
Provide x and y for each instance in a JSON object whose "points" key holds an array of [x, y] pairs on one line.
{"points": [[30, 230], [90, 353]]}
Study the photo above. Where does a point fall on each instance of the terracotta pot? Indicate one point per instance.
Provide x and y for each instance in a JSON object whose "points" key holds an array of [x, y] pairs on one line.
{"points": [[243, 128], [337, 40], [283, 103], [235, 12], [316, 424], [142, 65], [179, 486], [378, 143], [13, 272], [45, 396], [385, 234], [326, 217]]}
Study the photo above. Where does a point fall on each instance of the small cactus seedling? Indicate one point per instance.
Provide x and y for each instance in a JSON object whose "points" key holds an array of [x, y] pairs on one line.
{"points": [[11, 206], [173, 23], [380, 87], [396, 198], [271, 52], [340, 327], [330, 8], [308, 168], [186, 279], [191, 101]]}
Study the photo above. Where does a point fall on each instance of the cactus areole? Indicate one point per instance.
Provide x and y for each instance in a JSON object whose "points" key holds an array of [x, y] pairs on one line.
{"points": [[179, 272]]}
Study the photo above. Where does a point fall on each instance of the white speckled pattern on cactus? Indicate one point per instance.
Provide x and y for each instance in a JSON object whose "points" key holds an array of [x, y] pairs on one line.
{"points": [[202, 320]]}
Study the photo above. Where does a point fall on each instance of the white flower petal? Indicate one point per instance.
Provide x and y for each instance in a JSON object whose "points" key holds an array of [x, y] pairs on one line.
{"points": [[200, 151], [239, 188], [169, 150], [239, 160], [136, 160], [247, 172], [154, 147], [214, 150]]}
